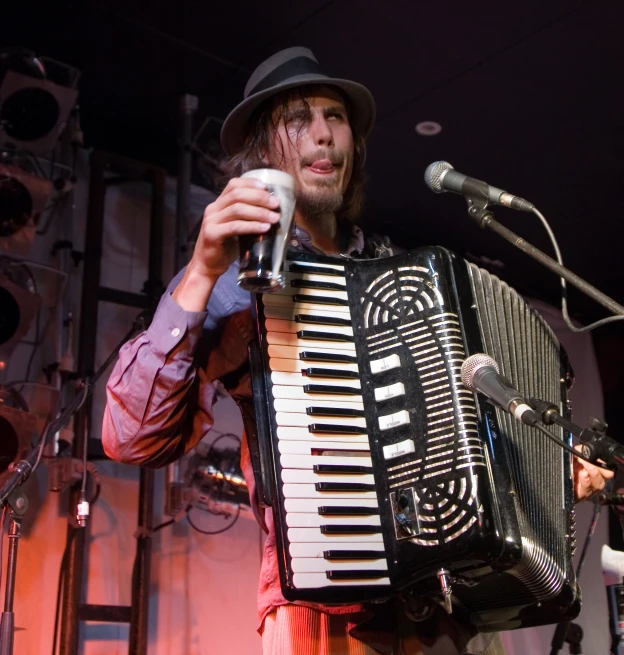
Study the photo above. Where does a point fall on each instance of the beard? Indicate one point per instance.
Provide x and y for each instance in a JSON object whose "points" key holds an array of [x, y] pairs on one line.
{"points": [[326, 198]]}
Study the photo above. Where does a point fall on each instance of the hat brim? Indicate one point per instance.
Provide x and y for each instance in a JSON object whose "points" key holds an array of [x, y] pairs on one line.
{"points": [[362, 108]]}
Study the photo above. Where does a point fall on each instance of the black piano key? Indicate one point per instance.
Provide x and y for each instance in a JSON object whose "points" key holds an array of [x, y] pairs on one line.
{"points": [[322, 320], [317, 428], [350, 529], [354, 554], [370, 574], [316, 284], [312, 356], [319, 270], [319, 300], [341, 468], [329, 389], [343, 486], [324, 336], [330, 373], [345, 510], [333, 411]]}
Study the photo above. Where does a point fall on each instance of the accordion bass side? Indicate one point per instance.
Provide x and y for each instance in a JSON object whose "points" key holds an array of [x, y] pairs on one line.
{"points": [[385, 474]]}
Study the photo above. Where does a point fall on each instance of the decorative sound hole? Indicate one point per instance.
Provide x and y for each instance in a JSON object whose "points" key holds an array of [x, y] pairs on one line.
{"points": [[29, 114], [15, 205], [448, 507], [9, 444], [9, 317]]}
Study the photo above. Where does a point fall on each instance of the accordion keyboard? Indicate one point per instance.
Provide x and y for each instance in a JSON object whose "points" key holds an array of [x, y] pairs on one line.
{"points": [[331, 508]]}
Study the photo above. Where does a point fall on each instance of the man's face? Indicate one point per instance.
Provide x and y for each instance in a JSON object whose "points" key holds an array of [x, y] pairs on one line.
{"points": [[313, 142]]}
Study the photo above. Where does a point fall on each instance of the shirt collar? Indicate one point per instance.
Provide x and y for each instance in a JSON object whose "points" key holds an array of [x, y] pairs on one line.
{"points": [[352, 239]]}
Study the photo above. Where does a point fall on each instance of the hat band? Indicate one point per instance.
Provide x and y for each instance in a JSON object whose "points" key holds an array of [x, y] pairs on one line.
{"points": [[287, 70]]}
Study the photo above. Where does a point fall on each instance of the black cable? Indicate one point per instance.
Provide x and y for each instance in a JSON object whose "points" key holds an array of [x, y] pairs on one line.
{"points": [[4, 513], [231, 525], [61, 590], [565, 446]]}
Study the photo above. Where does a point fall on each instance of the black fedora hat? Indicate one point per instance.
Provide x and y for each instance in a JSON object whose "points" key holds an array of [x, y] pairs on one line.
{"points": [[288, 69]]}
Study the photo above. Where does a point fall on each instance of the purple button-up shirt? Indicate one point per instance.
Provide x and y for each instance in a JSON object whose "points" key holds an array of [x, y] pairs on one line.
{"points": [[161, 391]]}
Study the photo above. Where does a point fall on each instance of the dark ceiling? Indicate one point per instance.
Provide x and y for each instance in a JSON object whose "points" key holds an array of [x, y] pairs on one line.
{"points": [[528, 95]]}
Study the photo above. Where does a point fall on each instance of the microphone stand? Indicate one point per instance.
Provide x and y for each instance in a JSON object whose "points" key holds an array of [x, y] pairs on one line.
{"points": [[13, 498], [476, 195], [596, 444]]}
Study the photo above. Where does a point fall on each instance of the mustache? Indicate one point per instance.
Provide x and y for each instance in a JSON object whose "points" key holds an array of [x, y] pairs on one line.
{"points": [[336, 158]]}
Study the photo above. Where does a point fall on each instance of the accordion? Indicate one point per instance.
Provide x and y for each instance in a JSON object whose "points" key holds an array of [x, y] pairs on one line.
{"points": [[386, 475]]}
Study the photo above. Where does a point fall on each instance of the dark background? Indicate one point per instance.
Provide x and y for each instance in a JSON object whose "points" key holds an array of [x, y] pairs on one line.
{"points": [[528, 95]]}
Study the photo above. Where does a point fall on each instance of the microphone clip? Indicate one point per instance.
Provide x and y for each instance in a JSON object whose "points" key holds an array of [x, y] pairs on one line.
{"points": [[476, 195]]}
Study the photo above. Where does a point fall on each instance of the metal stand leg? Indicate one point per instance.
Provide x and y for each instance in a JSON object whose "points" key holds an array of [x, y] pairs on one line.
{"points": [[17, 505]]}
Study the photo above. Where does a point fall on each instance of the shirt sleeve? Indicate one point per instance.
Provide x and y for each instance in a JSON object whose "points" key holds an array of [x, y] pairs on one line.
{"points": [[159, 404]]}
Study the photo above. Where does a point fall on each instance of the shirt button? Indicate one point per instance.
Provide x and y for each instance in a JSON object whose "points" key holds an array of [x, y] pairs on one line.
{"points": [[295, 242], [175, 332]]}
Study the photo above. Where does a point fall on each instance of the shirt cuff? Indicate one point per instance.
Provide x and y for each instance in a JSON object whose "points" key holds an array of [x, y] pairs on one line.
{"points": [[171, 324]]}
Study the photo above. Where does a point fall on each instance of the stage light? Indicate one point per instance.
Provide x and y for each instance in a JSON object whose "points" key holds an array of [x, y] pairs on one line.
{"points": [[18, 428], [19, 303], [37, 95], [22, 198]]}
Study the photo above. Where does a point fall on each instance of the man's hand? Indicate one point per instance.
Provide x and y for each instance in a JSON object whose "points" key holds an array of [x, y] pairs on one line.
{"points": [[589, 480], [244, 207]]}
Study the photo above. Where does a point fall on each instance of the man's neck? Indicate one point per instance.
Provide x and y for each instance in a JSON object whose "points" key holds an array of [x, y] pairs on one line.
{"points": [[323, 231]]}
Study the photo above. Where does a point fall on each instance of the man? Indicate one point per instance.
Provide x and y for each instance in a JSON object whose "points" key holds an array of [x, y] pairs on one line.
{"points": [[160, 394]]}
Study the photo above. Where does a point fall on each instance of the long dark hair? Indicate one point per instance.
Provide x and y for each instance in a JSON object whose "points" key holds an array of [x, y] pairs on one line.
{"points": [[261, 129]]}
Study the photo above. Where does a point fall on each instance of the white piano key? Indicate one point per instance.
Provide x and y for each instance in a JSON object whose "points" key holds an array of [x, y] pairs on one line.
{"points": [[335, 268], [297, 393], [318, 580], [316, 277], [296, 535], [305, 447], [314, 565], [288, 312], [311, 505], [299, 520], [280, 300], [300, 406], [303, 476], [309, 491], [298, 365], [394, 420], [391, 391], [291, 419], [326, 293], [286, 339], [280, 325], [316, 550], [294, 352], [281, 378], [303, 434], [290, 461]]}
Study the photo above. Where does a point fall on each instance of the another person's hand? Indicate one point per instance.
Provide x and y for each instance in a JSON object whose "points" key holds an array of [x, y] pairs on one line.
{"points": [[589, 480]]}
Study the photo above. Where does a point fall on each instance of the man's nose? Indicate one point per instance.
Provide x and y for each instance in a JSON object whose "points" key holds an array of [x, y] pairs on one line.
{"points": [[321, 132]]}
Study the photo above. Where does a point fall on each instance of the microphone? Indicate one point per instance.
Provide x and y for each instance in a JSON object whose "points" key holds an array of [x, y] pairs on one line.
{"points": [[441, 176], [481, 373], [609, 498]]}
